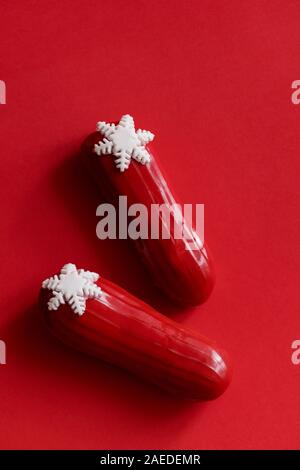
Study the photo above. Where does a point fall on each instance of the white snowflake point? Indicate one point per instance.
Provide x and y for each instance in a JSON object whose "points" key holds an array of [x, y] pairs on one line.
{"points": [[72, 286], [124, 142]]}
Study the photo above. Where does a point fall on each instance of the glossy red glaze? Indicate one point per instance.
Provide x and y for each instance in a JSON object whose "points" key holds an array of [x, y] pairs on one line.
{"points": [[124, 331], [185, 275]]}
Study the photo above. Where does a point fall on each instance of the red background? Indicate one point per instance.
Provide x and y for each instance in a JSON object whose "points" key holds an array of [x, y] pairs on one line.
{"points": [[213, 80]]}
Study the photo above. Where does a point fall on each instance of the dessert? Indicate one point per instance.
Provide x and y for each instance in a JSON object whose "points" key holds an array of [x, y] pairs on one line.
{"points": [[121, 160], [100, 318]]}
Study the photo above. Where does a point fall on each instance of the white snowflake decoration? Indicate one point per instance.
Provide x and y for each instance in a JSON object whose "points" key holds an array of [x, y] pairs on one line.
{"points": [[124, 142], [73, 286]]}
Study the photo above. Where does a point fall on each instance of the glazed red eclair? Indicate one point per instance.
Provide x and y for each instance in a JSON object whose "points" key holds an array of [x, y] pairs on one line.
{"points": [[99, 318], [121, 161]]}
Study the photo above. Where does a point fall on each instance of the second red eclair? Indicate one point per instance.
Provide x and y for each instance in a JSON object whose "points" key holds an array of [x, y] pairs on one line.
{"points": [[99, 318]]}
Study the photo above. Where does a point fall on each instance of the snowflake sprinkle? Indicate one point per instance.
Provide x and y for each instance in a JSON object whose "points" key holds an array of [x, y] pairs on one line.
{"points": [[124, 142], [73, 286]]}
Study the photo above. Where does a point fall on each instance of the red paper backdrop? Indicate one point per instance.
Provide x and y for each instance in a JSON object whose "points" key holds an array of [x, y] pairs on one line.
{"points": [[213, 80]]}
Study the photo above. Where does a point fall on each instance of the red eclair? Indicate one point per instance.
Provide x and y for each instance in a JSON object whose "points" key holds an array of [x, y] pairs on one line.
{"points": [[99, 318], [181, 268]]}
